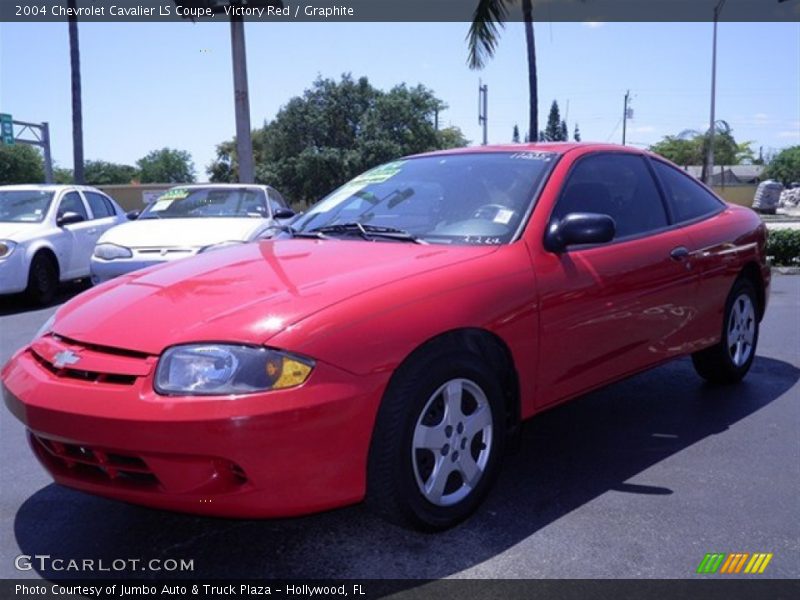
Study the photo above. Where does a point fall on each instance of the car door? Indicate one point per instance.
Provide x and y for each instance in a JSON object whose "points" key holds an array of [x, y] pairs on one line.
{"points": [[104, 216], [611, 309], [80, 237], [715, 262]]}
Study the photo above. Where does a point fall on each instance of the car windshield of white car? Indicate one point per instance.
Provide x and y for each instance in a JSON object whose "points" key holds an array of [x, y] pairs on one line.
{"points": [[197, 203], [473, 198], [24, 206]]}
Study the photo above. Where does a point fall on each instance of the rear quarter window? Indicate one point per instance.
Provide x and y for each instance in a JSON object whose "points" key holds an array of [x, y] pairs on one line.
{"points": [[687, 199]]}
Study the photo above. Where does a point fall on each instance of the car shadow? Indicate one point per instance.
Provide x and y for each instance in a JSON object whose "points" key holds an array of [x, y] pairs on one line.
{"points": [[567, 457], [14, 304]]}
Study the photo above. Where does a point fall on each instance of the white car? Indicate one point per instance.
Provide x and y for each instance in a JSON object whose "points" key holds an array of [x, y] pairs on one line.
{"points": [[48, 233], [187, 220]]}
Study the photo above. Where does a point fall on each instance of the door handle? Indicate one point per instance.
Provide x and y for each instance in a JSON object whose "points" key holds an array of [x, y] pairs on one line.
{"points": [[679, 253], [91, 231]]}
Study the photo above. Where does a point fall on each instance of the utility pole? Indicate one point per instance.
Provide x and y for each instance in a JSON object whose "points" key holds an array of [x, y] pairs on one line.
{"points": [[483, 108], [625, 116], [244, 145], [77, 111], [709, 164]]}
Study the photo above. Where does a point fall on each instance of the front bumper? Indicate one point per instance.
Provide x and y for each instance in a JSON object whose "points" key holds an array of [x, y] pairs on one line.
{"points": [[280, 453], [14, 272]]}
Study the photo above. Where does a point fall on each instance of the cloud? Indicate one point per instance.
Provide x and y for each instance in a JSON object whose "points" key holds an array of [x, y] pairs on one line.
{"points": [[643, 129], [593, 24], [789, 133]]}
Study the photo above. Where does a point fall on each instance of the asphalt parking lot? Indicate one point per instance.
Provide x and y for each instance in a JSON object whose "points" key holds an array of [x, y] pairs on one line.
{"points": [[638, 480]]}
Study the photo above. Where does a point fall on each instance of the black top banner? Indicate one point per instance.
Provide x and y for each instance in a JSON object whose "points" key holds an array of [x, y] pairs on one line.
{"points": [[395, 10]]}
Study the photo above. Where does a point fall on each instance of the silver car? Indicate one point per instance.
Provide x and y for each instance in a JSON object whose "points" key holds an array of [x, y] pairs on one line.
{"points": [[48, 233]]}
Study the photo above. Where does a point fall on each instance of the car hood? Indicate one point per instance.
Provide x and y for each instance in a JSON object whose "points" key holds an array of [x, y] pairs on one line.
{"points": [[17, 231], [243, 294], [159, 233]]}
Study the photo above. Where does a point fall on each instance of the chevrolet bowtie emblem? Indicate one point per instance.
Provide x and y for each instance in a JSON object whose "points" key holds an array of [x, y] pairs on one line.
{"points": [[65, 358]]}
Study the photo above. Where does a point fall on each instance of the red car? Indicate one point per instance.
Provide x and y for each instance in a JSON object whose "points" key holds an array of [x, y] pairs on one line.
{"points": [[389, 343]]}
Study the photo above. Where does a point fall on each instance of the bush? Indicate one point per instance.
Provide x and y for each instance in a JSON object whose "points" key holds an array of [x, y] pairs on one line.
{"points": [[783, 246]]}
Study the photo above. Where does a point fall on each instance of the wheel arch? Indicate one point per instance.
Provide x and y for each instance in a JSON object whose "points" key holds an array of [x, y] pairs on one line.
{"points": [[752, 273], [44, 249], [492, 348]]}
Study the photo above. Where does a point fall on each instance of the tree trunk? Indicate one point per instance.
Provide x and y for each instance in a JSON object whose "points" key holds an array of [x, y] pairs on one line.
{"points": [[77, 113], [527, 14]]}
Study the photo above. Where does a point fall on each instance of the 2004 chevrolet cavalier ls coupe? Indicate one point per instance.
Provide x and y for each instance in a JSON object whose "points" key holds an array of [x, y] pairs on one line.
{"points": [[387, 344]]}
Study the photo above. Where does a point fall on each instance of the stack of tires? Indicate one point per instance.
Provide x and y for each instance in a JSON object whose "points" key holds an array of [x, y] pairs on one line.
{"points": [[768, 195]]}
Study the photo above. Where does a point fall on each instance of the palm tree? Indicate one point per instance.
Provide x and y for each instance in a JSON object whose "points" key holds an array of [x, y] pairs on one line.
{"points": [[77, 112], [484, 33]]}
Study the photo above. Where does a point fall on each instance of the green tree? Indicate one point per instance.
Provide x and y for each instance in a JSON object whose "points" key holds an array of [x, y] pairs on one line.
{"points": [[63, 176], [336, 130], [484, 34], [100, 172], [785, 166], [576, 135], [166, 166], [556, 130], [515, 135], [689, 147], [683, 152], [20, 163]]}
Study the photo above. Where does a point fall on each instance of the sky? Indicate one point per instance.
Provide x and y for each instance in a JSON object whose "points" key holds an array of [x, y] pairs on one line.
{"points": [[150, 85]]}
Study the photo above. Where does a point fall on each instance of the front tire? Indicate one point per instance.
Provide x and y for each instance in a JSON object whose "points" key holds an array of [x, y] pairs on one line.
{"points": [[730, 360], [42, 280], [438, 439]]}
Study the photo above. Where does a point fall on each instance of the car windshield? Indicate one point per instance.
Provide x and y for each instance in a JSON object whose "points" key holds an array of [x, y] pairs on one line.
{"points": [[474, 198], [28, 206], [196, 203]]}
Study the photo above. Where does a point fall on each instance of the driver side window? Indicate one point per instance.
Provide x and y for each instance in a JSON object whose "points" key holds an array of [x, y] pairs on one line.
{"points": [[618, 185], [71, 202]]}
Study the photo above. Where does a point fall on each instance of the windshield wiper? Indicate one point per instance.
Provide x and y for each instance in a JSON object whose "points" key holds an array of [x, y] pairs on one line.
{"points": [[296, 233], [369, 232]]}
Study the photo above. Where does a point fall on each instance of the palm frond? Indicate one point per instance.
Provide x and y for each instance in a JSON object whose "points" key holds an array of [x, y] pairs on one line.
{"points": [[484, 32]]}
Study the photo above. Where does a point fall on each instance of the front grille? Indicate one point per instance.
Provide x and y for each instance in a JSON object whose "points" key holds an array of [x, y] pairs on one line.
{"points": [[92, 376], [93, 463], [163, 252], [102, 349]]}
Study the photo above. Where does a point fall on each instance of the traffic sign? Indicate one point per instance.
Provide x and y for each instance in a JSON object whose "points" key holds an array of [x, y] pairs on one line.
{"points": [[6, 129]]}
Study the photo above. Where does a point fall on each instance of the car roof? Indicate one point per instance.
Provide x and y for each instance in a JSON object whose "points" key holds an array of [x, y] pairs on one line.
{"points": [[220, 185], [48, 187], [557, 147]]}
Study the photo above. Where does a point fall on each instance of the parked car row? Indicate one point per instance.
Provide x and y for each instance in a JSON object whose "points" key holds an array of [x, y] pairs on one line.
{"points": [[55, 233], [389, 342]]}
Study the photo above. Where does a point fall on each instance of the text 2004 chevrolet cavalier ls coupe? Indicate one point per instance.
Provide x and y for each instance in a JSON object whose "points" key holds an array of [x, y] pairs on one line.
{"points": [[389, 345]]}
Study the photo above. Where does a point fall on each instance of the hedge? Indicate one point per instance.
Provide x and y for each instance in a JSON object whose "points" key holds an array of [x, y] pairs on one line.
{"points": [[783, 245]]}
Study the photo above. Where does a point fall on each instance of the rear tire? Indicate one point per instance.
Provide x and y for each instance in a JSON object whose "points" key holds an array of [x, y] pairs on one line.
{"points": [[42, 280], [730, 360], [438, 440]]}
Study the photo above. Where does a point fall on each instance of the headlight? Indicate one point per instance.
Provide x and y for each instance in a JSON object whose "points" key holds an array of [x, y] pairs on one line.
{"points": [[220, 246], [217, 369], [46, 328], [6, 248], [111, 251]]}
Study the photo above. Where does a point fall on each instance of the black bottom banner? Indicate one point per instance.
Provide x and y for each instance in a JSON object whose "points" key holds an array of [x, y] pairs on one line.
{"points": [[411, 589]]}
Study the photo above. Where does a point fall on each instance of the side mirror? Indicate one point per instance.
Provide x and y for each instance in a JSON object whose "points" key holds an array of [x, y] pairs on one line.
{"points": [[68, 218], [133, 215], [283, 213], [579, 228]]}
